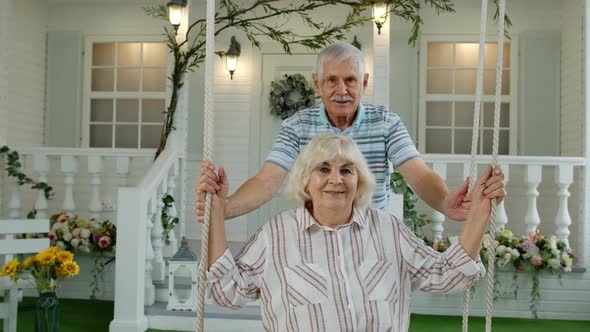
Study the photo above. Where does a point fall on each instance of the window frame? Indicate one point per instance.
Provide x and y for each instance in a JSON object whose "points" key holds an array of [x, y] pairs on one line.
{"points": [[423, 97], [87, 94]]}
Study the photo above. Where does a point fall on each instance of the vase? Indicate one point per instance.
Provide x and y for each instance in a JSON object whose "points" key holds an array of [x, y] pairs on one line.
{"points": [[47, 313]]}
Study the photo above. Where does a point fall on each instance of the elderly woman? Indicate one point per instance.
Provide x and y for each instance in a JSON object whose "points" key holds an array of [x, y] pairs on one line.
{"points": [[334, 264]]}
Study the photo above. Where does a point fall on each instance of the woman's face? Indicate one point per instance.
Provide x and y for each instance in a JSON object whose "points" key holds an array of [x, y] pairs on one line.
{"points": [[333, 184]]}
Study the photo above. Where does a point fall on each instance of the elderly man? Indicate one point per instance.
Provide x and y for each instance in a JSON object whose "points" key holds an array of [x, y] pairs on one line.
{"points": [[340, 80]]}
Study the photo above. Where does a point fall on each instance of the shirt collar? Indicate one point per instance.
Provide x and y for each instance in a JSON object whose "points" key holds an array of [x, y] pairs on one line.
{"points": [[306, 220], [360, 114]]}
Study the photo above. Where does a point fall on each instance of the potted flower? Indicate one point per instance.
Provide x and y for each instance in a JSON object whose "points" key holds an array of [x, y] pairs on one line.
{"points": [[44, 270], [75, 234]]}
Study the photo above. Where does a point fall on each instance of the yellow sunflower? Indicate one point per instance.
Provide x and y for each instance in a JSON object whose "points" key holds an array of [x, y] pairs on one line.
{"points": [[45, 258], [64, 256], [9, 268], [69, 269], [28, 262]]}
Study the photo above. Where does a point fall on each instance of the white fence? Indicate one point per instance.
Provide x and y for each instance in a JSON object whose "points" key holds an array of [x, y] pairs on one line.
{"points": [[540, 194], [85, 181], [139, 259]]}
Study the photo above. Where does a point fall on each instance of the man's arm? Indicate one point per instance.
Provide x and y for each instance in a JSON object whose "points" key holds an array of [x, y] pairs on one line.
{"points": [[425, 183], [256, 191]]}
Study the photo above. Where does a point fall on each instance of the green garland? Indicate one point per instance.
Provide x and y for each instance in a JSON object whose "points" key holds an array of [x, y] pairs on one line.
{"points": [[168, 222], [13, 167], [290, 95]]}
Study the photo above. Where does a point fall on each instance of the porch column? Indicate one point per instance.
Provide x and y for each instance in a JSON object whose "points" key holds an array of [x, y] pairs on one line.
{"points": [[381, 64], [584, 235], [179, 137]]}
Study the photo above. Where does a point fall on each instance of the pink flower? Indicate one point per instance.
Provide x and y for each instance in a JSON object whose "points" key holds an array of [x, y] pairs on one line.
{"points": [[52, 237], [62, 217], [520, 269], [536, 260], [528, 244], [104, 242]]}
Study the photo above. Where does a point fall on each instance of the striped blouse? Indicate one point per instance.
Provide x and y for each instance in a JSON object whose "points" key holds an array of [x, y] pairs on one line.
{"points": [[356, 277]]}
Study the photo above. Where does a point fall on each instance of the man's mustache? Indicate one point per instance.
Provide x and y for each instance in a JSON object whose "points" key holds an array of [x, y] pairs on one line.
{"points": [[342, 98]]}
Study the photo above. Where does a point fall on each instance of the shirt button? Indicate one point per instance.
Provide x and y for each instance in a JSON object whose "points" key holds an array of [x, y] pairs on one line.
{"points": [[350, 307]]}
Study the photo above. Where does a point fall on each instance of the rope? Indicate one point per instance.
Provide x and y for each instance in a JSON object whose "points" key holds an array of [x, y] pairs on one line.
{"points": [[498, 91], [475, 133], [492, 247], [207, 155]]}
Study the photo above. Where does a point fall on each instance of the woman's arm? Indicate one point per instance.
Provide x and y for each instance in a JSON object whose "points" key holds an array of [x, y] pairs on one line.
{"points": [[481, 206], [231, 282], [217, 240], [458, 267]]}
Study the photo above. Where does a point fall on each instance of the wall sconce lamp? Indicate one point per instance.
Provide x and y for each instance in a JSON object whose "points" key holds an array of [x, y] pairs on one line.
{"points": [[380, 13], [175, 9], [231, 57]]}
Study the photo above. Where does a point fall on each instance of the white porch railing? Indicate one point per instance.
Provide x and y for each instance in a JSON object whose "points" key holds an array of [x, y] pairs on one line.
{"points": [[524, 175], [139, 259], [84, 180]]}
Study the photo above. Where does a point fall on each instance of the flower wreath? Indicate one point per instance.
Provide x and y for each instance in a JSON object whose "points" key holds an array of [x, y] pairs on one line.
{"points": [[290, 95]]}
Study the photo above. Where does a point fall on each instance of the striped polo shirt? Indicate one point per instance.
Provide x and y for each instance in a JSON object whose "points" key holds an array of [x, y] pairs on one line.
{"points": [[379, 134], [356, 277]]}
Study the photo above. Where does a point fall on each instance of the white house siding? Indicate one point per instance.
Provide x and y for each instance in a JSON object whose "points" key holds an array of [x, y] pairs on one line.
{"points": [[4, 14], [572, 97], [24, 59]]}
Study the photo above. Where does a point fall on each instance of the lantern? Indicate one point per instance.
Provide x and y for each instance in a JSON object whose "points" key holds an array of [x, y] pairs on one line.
{"points": [[182, 279]]}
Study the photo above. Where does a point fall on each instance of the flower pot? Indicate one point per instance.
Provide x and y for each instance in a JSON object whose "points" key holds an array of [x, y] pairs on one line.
{"points": [[47, 313]]}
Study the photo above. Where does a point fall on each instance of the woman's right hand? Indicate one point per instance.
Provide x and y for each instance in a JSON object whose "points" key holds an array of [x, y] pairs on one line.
{"points": [[218, 195]]}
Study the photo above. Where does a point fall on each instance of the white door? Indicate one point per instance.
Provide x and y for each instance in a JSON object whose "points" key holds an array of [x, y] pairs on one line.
{"points": [[274, 68]]}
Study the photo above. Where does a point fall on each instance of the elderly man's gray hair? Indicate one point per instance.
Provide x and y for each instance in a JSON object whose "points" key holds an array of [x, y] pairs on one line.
{"points": [[339, 52], [324, 148]]}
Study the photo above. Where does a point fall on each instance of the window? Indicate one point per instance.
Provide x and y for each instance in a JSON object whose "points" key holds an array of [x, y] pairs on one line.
{"points": [[447, 97], [126, 94]]}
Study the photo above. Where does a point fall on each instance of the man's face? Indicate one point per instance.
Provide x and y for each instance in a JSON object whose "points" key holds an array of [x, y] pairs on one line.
{"points": [[341, 88]]}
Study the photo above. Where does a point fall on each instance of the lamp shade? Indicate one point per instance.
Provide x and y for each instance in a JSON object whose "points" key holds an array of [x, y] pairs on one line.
{"points": [[380, 12], [175, 8], [231, 56]]}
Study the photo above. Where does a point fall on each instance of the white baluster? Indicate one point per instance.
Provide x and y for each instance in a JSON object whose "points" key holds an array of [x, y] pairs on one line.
{"points": [[564, 178], [95, 170], [150, 289], [123, 170], [501, 217], [41, 164], [158, 273], [438, 218], [69, 166], [171, 248], [532, 178], [15, 204]]}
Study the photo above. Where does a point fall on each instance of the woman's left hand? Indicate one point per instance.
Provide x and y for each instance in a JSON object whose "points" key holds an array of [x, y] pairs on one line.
{"points": [[494, 185], [490, 185]]}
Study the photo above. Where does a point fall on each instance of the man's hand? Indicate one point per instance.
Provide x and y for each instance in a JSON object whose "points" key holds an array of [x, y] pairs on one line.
{"points": [[457, 202]]}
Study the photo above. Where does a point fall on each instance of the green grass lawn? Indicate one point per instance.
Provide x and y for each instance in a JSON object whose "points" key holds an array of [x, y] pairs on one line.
{"points": [[95, 316]]}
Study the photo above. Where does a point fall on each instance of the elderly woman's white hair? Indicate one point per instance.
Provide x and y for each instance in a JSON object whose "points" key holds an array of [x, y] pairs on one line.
{"points": [[324, 148]]}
